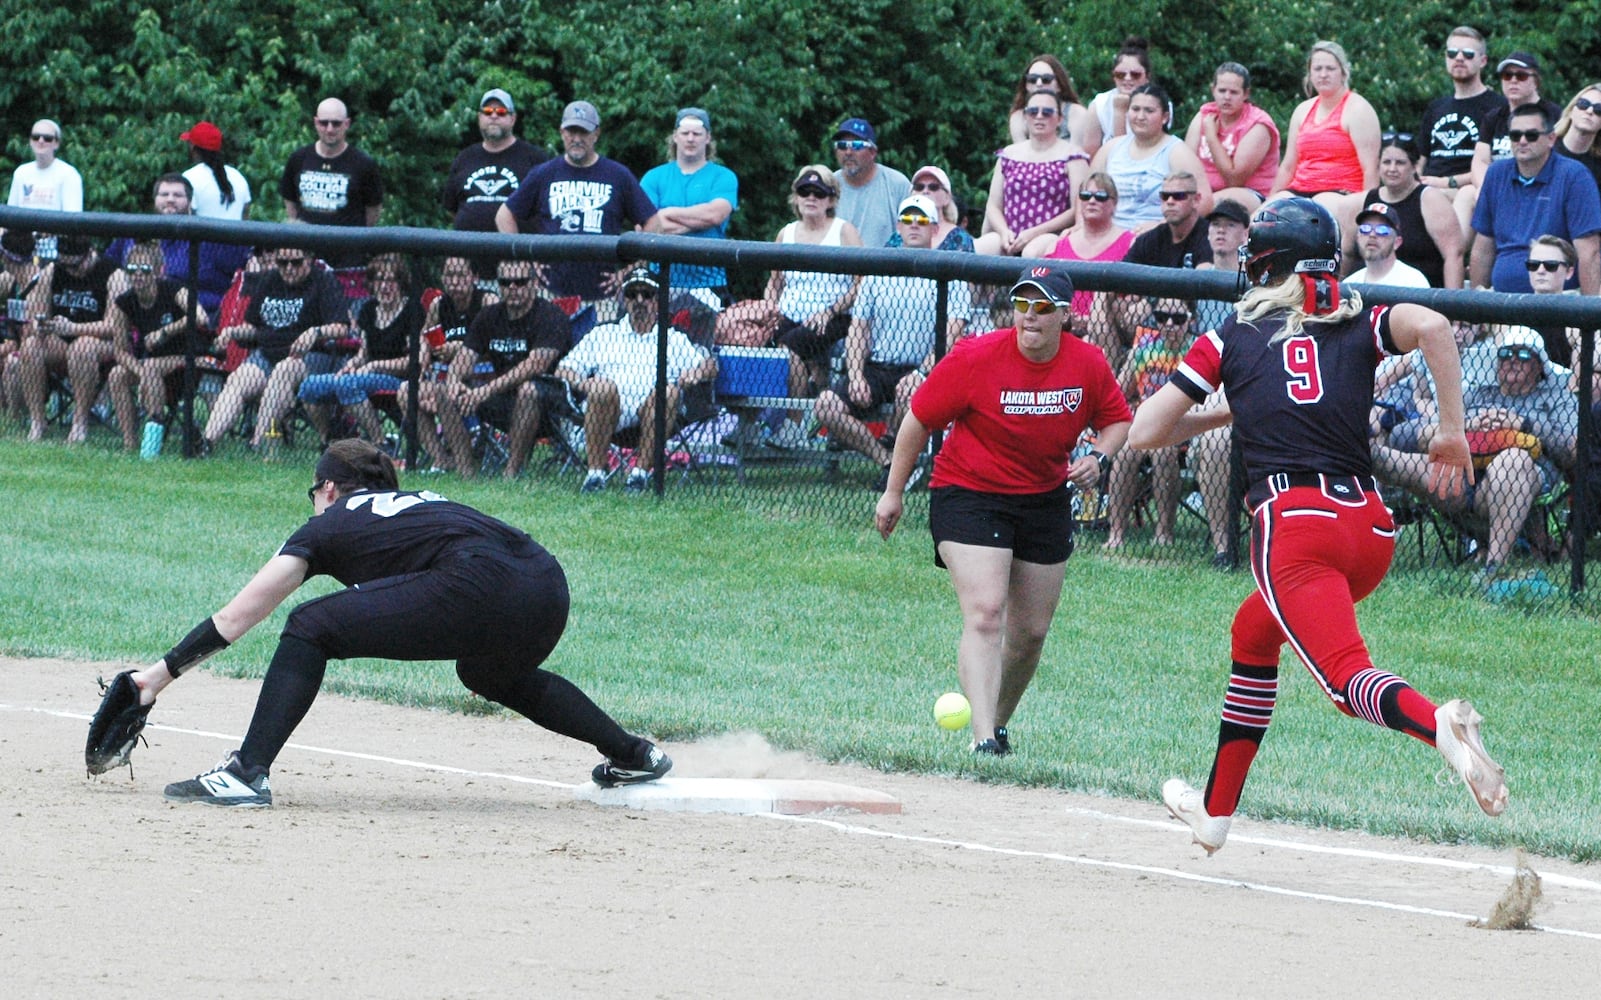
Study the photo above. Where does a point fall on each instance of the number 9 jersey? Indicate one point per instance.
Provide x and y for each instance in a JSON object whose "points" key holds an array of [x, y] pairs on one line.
{"points": [[1300, 404]]}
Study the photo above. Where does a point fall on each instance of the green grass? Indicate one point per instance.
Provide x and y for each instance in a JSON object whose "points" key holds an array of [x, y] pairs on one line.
{"points": [[706, 615]]}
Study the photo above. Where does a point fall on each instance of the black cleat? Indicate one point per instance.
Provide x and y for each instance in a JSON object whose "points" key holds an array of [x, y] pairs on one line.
{"points": [[609, 774]]}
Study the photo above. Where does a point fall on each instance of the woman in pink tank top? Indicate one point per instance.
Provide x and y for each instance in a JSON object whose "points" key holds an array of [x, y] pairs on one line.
{"points": [[1236, 141], [1333, 144]]}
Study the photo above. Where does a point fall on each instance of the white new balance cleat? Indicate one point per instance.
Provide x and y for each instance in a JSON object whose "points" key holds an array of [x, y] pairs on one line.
{"points": [[1456, 736], [1188, 806]]}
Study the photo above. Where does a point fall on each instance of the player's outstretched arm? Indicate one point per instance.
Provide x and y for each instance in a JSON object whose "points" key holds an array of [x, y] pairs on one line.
{"points": [[1168, 418], [266, 590]]}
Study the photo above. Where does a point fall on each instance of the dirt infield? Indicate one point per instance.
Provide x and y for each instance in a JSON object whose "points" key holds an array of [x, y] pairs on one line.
{"points": [[419, 854]]}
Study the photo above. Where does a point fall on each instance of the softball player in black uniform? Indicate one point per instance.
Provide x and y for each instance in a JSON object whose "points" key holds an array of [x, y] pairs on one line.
{"points": [[426, 579], [1298, 362]]}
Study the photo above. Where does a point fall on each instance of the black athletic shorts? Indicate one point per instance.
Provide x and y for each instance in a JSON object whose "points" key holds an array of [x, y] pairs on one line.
{"points": [[483, 607], [1037, 527], [881, 383], [807, 343]]}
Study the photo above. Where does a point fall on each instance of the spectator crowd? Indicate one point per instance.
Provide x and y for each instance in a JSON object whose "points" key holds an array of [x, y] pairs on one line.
{"points": [[1493, 188]]}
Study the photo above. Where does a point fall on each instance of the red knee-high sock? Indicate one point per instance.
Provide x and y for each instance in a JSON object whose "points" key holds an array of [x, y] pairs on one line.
{"points": [[1386, 700], [1247, 711]]}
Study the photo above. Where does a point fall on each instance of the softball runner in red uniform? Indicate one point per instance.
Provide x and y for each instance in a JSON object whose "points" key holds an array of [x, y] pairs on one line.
{"points": [[426, 579], [1016, 402], [1298, 361]]}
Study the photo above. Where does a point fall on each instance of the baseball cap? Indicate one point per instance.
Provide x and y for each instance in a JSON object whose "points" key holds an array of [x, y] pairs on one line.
{"points": [[812, 177], [1383, 212], [1519, 60], [73, 245], [16, 245], [922, 203], [936, 173], [581, 114], [640, 274], [1228, 208], [857, 128], [499, 95], [705, 119], [205, 135], [1056, 285]]}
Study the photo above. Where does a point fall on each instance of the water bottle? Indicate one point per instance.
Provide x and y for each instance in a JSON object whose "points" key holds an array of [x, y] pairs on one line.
{"points": [[150, 443]]}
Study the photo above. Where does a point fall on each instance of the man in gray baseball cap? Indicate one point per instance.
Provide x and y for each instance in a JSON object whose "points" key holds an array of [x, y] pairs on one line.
{"points": [[579, 194]]}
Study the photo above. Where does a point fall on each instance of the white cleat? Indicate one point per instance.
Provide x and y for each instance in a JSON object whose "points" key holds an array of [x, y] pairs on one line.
{"points": [[1187, 805], [1456, 736]]}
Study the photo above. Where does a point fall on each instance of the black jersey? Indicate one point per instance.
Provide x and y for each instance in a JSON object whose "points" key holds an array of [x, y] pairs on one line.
{"points": [[373, 534], [385, 343], [1300, 405], [144, 320], [81, 298]]}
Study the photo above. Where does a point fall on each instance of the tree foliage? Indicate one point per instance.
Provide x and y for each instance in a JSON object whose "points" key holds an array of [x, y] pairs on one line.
{"points": [[935, 76]]}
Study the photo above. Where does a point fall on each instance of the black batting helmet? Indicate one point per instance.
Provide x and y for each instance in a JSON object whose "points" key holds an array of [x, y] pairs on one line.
{"points": [[1290, 236]]}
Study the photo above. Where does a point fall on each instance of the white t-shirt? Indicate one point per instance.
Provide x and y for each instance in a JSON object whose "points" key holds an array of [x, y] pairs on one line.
{"points": [[208, 196], [900, 311], [616, 352], [1401, 275], [58, 186]]}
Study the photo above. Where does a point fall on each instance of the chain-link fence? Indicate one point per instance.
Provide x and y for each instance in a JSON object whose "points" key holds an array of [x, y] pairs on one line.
{"points": [[186, 337]]}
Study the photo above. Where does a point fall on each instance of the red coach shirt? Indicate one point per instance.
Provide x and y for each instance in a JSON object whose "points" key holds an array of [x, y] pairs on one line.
{"points": [[1013, 422]]}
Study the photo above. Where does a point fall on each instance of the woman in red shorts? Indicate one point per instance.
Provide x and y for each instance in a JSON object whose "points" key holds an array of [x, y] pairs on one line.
{"points": [[1016, 401], [1297, 360]]}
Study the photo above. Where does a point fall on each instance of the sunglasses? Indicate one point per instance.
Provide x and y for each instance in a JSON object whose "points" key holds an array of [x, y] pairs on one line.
{"points": [[814, 191], [1037, 307], [148, 268], [640, 295], [1040, 78], [495, 112], [1163, 317], [1451, 53], [374, 278], [1375, 229], [1516, 353], [1515, 74], [1553, 266], [291, 261], [1585, 104], [41, 137], [852, 144], [927, 186], [1396, 137], [915, 219], [1128, 74], [513, 282], [311, 494], [1039, 112], [1524, 134], [1095, 196], [1177, 195], [330, 122]]}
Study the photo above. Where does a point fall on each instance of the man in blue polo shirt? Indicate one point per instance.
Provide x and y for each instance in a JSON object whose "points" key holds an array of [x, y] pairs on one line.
{"points": [[1527, 195], [693, 196]]}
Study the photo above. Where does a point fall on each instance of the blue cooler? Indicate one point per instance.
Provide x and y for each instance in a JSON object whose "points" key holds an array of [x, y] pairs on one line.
{"points": [[753, 371]]}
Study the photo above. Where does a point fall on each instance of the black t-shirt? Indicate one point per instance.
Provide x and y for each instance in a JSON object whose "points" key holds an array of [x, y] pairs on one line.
{"points": [[1495, 126], [81, 298], [281, 313], [333, 191], [504, 342], [1588, 161], [372, 535], [385, 343], [481, 181], [455, 321], [1450, 128], [1155, 247], [144, 320]]}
